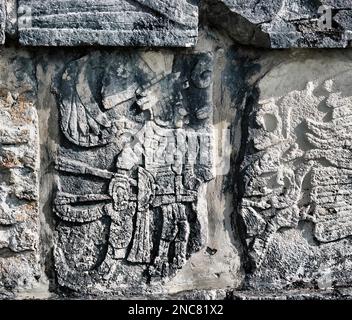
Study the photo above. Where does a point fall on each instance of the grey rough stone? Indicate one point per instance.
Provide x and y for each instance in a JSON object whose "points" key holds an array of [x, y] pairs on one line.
{"points": [[19, 166], [110, 23], [285, 23], [295, 295], [11, 29], [135, 155], [295, 177], [117, 222], [2, 21]]}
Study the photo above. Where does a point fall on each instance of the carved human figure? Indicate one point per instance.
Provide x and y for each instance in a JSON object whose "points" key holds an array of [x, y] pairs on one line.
{"points": [[272, 185], [165, 149], [161, 163]]}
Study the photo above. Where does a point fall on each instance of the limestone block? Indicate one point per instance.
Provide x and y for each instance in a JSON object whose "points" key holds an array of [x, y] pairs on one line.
{"points": [[285, 23], [108, 22], [133, 164], [19, 165], [296, 175]]}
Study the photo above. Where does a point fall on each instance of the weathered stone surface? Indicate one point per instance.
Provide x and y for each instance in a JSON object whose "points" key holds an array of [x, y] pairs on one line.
{"points": [[136, 153], [295, 179], [11, 29], [285, 23], [130, 204], [112, 23], [19, 165], [291, 295], [2, 21]]}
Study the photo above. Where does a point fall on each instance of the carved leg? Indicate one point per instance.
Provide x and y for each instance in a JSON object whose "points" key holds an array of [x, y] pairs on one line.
{"points": [[119, 249], [161, 264], [140, 251], [168, 234], [261, 245], [288, 217], [181, 238], [121, 229]]}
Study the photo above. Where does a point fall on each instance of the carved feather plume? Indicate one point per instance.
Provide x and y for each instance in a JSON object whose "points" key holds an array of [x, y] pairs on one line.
{"points": [[82, 121]]}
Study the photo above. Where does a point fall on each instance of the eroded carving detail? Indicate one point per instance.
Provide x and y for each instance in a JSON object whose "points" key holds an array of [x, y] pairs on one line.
{"points": [[272, 180], [297, 168], [131, 189], [331, 182]]}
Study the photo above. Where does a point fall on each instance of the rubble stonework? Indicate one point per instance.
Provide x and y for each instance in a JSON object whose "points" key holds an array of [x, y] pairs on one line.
{"points": [[285, 23], [19, 166]]}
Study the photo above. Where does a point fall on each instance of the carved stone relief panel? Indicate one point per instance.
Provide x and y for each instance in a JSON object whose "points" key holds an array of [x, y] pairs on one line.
{"points": [[19, 165], [135, 154], [108, 22], [295, 180]]}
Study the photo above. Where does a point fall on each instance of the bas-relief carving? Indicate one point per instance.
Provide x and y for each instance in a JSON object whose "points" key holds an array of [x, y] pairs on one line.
{"points": [[137, 147], [297, 169], [331, 185]]}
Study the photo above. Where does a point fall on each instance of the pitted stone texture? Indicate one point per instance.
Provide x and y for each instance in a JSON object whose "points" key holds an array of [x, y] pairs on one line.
{"points": [[108, 22], [2, 21], [134, 161], [285, 23], [19, 165], [11, 29], [295, 295], [295, 179]]}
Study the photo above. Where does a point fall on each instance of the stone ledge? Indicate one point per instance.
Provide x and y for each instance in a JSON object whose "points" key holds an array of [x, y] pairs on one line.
{"points": [[277, 24], [172, 23]]}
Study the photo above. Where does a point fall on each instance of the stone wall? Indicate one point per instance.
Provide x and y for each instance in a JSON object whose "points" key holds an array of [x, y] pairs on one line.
{"points": [[175, 149]]}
